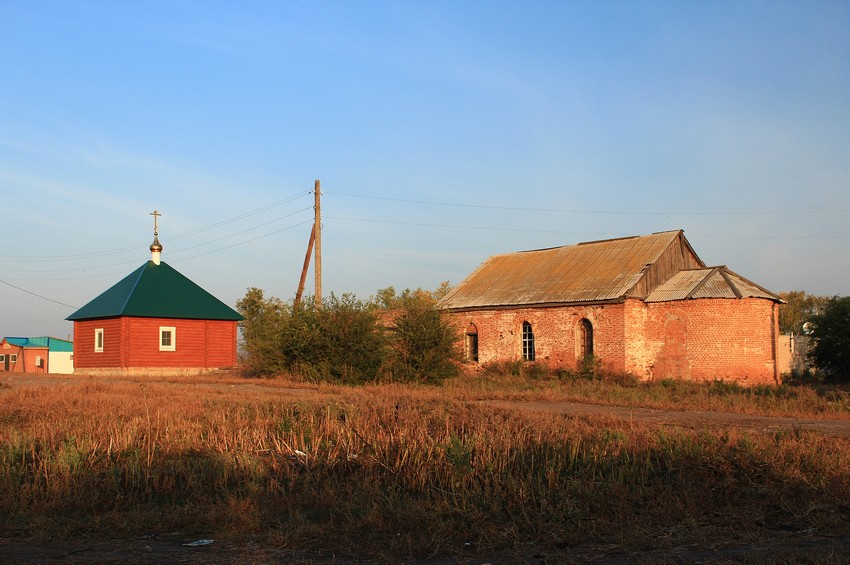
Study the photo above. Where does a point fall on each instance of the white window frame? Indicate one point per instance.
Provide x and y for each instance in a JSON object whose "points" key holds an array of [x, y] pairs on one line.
{"points": [[98, 340], [3, 358], [13, 358], [173, 335]]}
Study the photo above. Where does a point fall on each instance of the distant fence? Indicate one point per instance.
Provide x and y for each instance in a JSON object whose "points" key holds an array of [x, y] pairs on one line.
{"points": [[791, 354]]}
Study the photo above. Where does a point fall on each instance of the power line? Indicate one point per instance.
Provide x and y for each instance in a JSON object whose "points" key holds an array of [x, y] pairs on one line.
{"points": [[217, 249], [243, 231], [83, 277], [246, 241], [569, 211], [30, 259], [37, 295], [243, 216], [111, 265], [486, 228]]}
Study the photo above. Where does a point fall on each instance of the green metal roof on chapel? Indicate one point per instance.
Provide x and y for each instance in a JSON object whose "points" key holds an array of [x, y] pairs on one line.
{"points": [[156, 291]]}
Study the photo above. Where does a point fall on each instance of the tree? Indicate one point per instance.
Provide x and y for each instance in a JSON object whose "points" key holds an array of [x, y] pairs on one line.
{"points": [[389, 299], [262, 327], [830, 331], [424, 343], [798, 309], [349, 345]]}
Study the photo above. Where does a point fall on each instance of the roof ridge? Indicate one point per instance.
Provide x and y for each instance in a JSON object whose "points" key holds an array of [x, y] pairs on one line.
{"points": [[748, 281], [704, 280], [673, 235], [141, 270]]}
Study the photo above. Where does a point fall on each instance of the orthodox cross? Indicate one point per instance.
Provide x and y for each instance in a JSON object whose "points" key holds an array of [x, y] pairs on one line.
{"points": [[155, 214]]}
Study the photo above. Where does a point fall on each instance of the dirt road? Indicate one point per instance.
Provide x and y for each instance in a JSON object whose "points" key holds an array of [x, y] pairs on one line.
{"points": [[668, 418], [686, 418]]}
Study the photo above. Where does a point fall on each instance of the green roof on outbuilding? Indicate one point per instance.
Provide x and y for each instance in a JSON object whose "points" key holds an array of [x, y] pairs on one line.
{"points": [[52, 343], [156, 291]]}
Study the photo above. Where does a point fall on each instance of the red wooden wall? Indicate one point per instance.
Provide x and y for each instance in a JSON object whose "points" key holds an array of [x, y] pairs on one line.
{"points": [[134, 342]]}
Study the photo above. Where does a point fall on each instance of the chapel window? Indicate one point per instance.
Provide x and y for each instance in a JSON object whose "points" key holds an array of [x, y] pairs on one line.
{"points": [[585, 339], [527, 342], [472, 343], [167, 338]]}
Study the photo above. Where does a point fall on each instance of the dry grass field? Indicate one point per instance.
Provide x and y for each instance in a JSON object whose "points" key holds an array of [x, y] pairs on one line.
{"points": [[488, 467]]}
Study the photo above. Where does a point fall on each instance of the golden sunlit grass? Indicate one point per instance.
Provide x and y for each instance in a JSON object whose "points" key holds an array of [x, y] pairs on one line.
{"points": [[385, 471], [623, 390]]}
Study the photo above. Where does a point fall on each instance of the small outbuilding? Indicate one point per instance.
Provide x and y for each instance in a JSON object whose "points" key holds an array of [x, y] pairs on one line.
{"points": [[155, 321], [36, 355], [645, 305]]}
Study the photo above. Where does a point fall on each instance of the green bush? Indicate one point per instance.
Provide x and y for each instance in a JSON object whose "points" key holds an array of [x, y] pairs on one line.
{"points": [[502, 368], [344, 342], [719, 387], [831, 335], [424, 344], [339, 342], [262, 331]]}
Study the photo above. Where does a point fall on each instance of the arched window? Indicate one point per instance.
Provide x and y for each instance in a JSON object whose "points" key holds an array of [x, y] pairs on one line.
{"points": [[585, 339], [472, 343], [527, 342]]}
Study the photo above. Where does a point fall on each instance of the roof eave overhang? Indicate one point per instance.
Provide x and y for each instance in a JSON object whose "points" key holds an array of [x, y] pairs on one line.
{"points": [[618, 300], [163, 317]]}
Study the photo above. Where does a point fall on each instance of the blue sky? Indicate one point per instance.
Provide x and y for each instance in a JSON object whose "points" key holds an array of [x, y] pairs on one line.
{"points": [[442, 133]]}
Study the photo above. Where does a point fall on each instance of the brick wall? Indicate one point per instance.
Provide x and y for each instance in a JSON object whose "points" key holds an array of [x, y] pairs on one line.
{"points": [[713, 338], [704, 339], [556, 333]]}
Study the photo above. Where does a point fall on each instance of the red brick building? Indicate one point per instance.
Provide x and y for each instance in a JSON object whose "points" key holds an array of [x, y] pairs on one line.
{"points": [[155, 321], [644, 305]]}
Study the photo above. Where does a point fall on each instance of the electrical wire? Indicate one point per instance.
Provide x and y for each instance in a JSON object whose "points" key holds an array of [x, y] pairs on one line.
{"points": [[241, 232], [171, 253], [36, 294], [569, 211], [217, 249], [243, 216], [486, 228], [89, 255]]}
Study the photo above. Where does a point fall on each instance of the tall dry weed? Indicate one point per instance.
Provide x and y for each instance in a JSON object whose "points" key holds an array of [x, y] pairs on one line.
{"points": [[382, 471]]}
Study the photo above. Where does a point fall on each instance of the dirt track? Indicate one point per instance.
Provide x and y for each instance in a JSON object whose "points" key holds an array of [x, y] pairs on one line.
{"points": [[688, 419], [668, 418]]}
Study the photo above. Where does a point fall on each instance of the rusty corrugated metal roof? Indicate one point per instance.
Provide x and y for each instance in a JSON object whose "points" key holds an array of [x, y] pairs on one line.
{"points": [[711, 282], [595, 271]]}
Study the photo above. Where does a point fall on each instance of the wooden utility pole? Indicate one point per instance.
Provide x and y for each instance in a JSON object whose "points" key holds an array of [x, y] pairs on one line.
{"points": [[317, 226], [300, 290], [315, 242]]}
